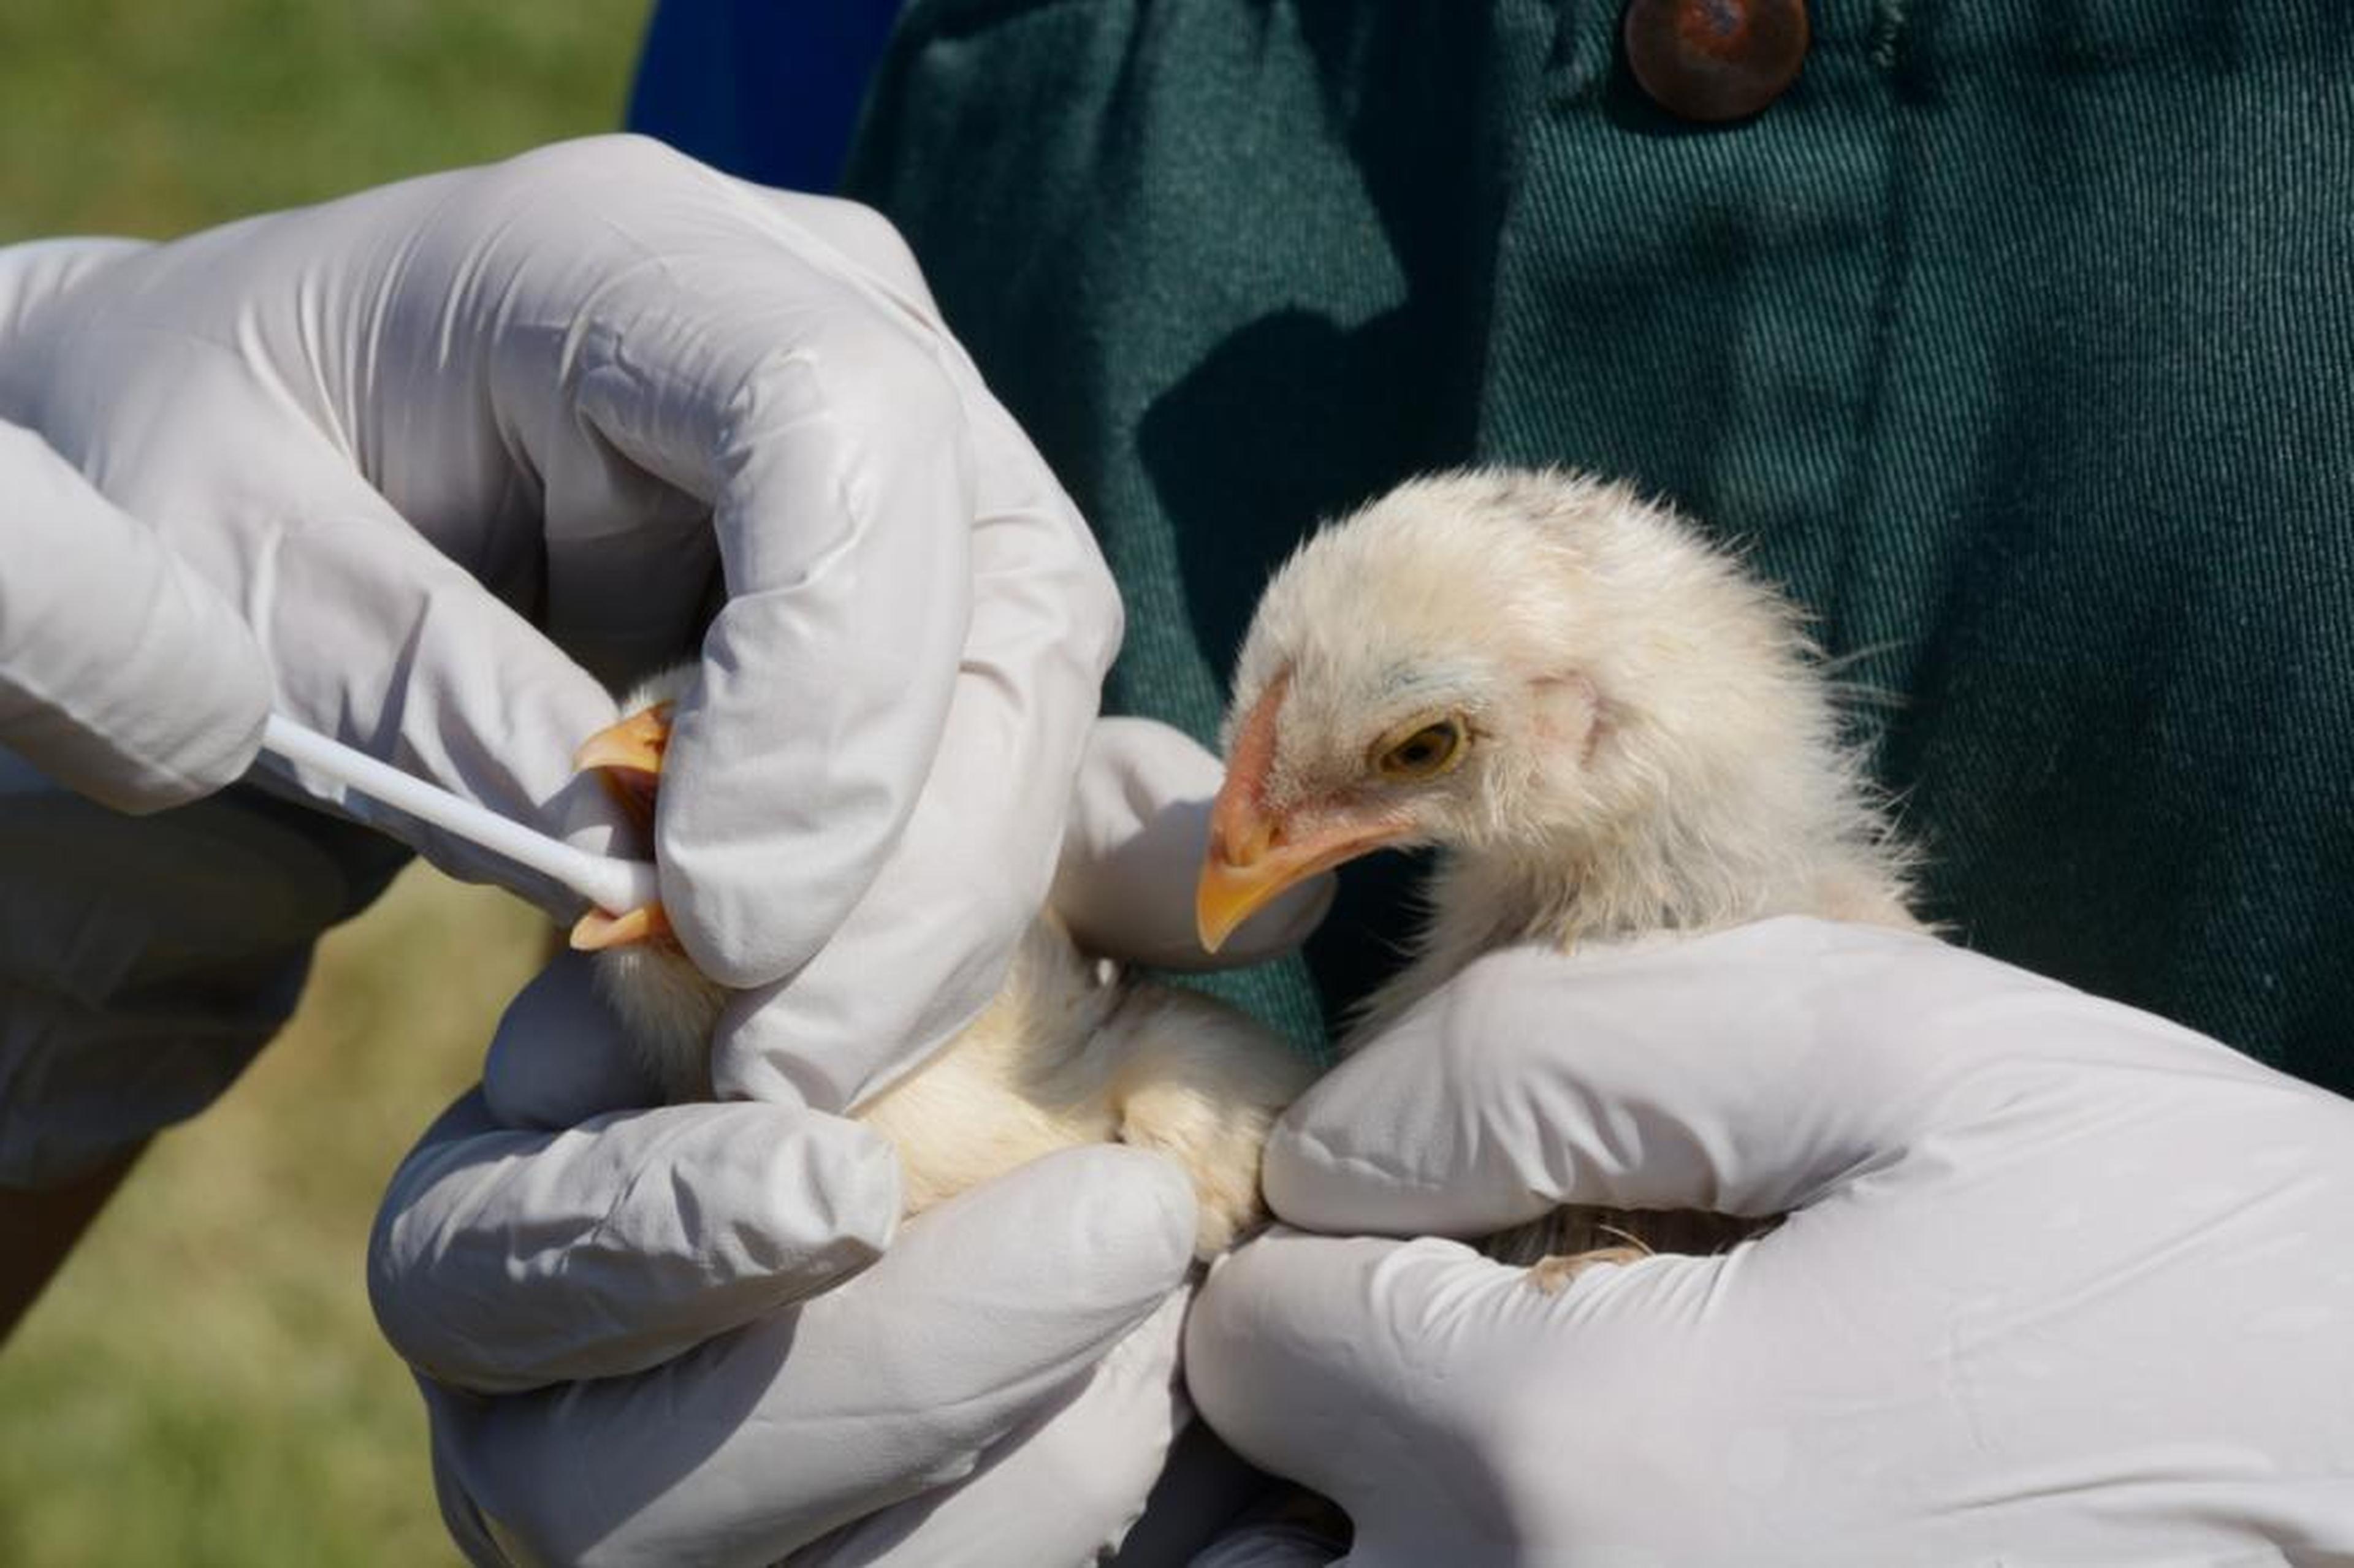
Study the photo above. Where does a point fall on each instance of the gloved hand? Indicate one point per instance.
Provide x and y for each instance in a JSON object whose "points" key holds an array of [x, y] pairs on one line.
{"points": [[122, 675], [2062, 1283], [999, 1387], [461, 450]]}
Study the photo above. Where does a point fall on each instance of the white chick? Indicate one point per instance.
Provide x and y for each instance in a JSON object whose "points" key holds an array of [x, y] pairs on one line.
{"points": [[1609, 726], [1069, 1052]]}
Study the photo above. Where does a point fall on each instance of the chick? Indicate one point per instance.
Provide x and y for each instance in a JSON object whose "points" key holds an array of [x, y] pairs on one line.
{"points": [[1608, 727], [1068, 1052]]}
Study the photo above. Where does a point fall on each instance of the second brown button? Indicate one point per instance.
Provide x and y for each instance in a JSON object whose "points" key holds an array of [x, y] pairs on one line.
{"points": [[1715, 59]]}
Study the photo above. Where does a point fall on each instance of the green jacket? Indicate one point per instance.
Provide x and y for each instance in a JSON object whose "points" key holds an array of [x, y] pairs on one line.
{"points": [[2017, 340]]}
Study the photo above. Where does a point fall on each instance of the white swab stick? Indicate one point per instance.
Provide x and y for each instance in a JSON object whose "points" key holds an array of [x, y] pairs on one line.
{"points": [[616, 886]]}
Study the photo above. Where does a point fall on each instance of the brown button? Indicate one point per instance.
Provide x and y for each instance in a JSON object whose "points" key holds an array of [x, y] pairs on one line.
{"points": [[1715, 59]]}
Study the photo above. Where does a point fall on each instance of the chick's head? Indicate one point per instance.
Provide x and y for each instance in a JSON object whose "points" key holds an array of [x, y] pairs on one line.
{"points": [[1492, 661]]}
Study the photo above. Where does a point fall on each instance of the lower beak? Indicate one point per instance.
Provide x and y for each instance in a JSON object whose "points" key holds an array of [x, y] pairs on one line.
{"points": [[597, 930]]}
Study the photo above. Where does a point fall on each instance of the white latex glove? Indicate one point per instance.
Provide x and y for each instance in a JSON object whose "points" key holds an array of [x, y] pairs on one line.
{"points": [[999, 1387], [2064, 1283], [122, 675], [609, 385]]}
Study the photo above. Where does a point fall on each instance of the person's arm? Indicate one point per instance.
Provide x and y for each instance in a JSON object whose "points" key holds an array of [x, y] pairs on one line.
{"points": [[2060, 1280]]}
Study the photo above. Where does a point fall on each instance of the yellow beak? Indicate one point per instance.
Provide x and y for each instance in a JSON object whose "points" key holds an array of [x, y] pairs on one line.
{"points": [[1254, 856], [635, 744], [1250, 863], [1238, 878]]}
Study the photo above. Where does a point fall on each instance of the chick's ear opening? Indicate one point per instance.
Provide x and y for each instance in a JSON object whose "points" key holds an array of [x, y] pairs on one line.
{"points": [[1571, 717]]}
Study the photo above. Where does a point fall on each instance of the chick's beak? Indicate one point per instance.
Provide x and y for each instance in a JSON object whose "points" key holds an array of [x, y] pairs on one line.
{"points": [[634, 745], [1254, 853], [1252, 860]]}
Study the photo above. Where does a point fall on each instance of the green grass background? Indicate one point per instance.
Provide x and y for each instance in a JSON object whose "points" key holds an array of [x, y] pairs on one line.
{"points": [[204, 1385]]}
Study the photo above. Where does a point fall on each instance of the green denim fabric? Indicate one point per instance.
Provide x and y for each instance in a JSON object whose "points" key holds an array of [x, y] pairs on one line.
{"points": [[2017, 340]]}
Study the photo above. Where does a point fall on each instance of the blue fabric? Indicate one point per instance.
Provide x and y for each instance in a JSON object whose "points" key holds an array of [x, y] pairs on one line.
{"points": [[768, 90]]}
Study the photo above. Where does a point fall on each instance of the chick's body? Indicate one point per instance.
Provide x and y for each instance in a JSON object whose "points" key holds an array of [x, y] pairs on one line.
{"points": [[1069, 1052], [1609, 727]]}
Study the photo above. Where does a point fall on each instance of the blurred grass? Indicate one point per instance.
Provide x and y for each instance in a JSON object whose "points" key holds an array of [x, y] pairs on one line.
{"points": [[204, 1385], [157, 116]]}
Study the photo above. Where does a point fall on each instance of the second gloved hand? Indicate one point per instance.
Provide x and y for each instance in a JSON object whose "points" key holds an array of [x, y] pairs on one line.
{"points": [[2062, 1282], [690, 1334]]}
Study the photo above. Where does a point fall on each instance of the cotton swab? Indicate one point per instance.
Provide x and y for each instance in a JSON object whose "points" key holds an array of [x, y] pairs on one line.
{"points": [[614, 885]]}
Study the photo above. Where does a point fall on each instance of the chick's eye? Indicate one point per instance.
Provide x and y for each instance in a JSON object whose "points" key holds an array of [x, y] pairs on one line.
{"points": [[1423, 753]]}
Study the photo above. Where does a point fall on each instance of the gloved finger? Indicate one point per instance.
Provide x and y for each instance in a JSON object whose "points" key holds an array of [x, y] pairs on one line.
{"points": [[560, 1056], [1063, 1487], [1401, 1380], [504, 1259], [988, 1308], [974, 864], [1744, 1072], [863, 237], [1133, 854], [122, 675], [821, 425], [34, 272]]}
